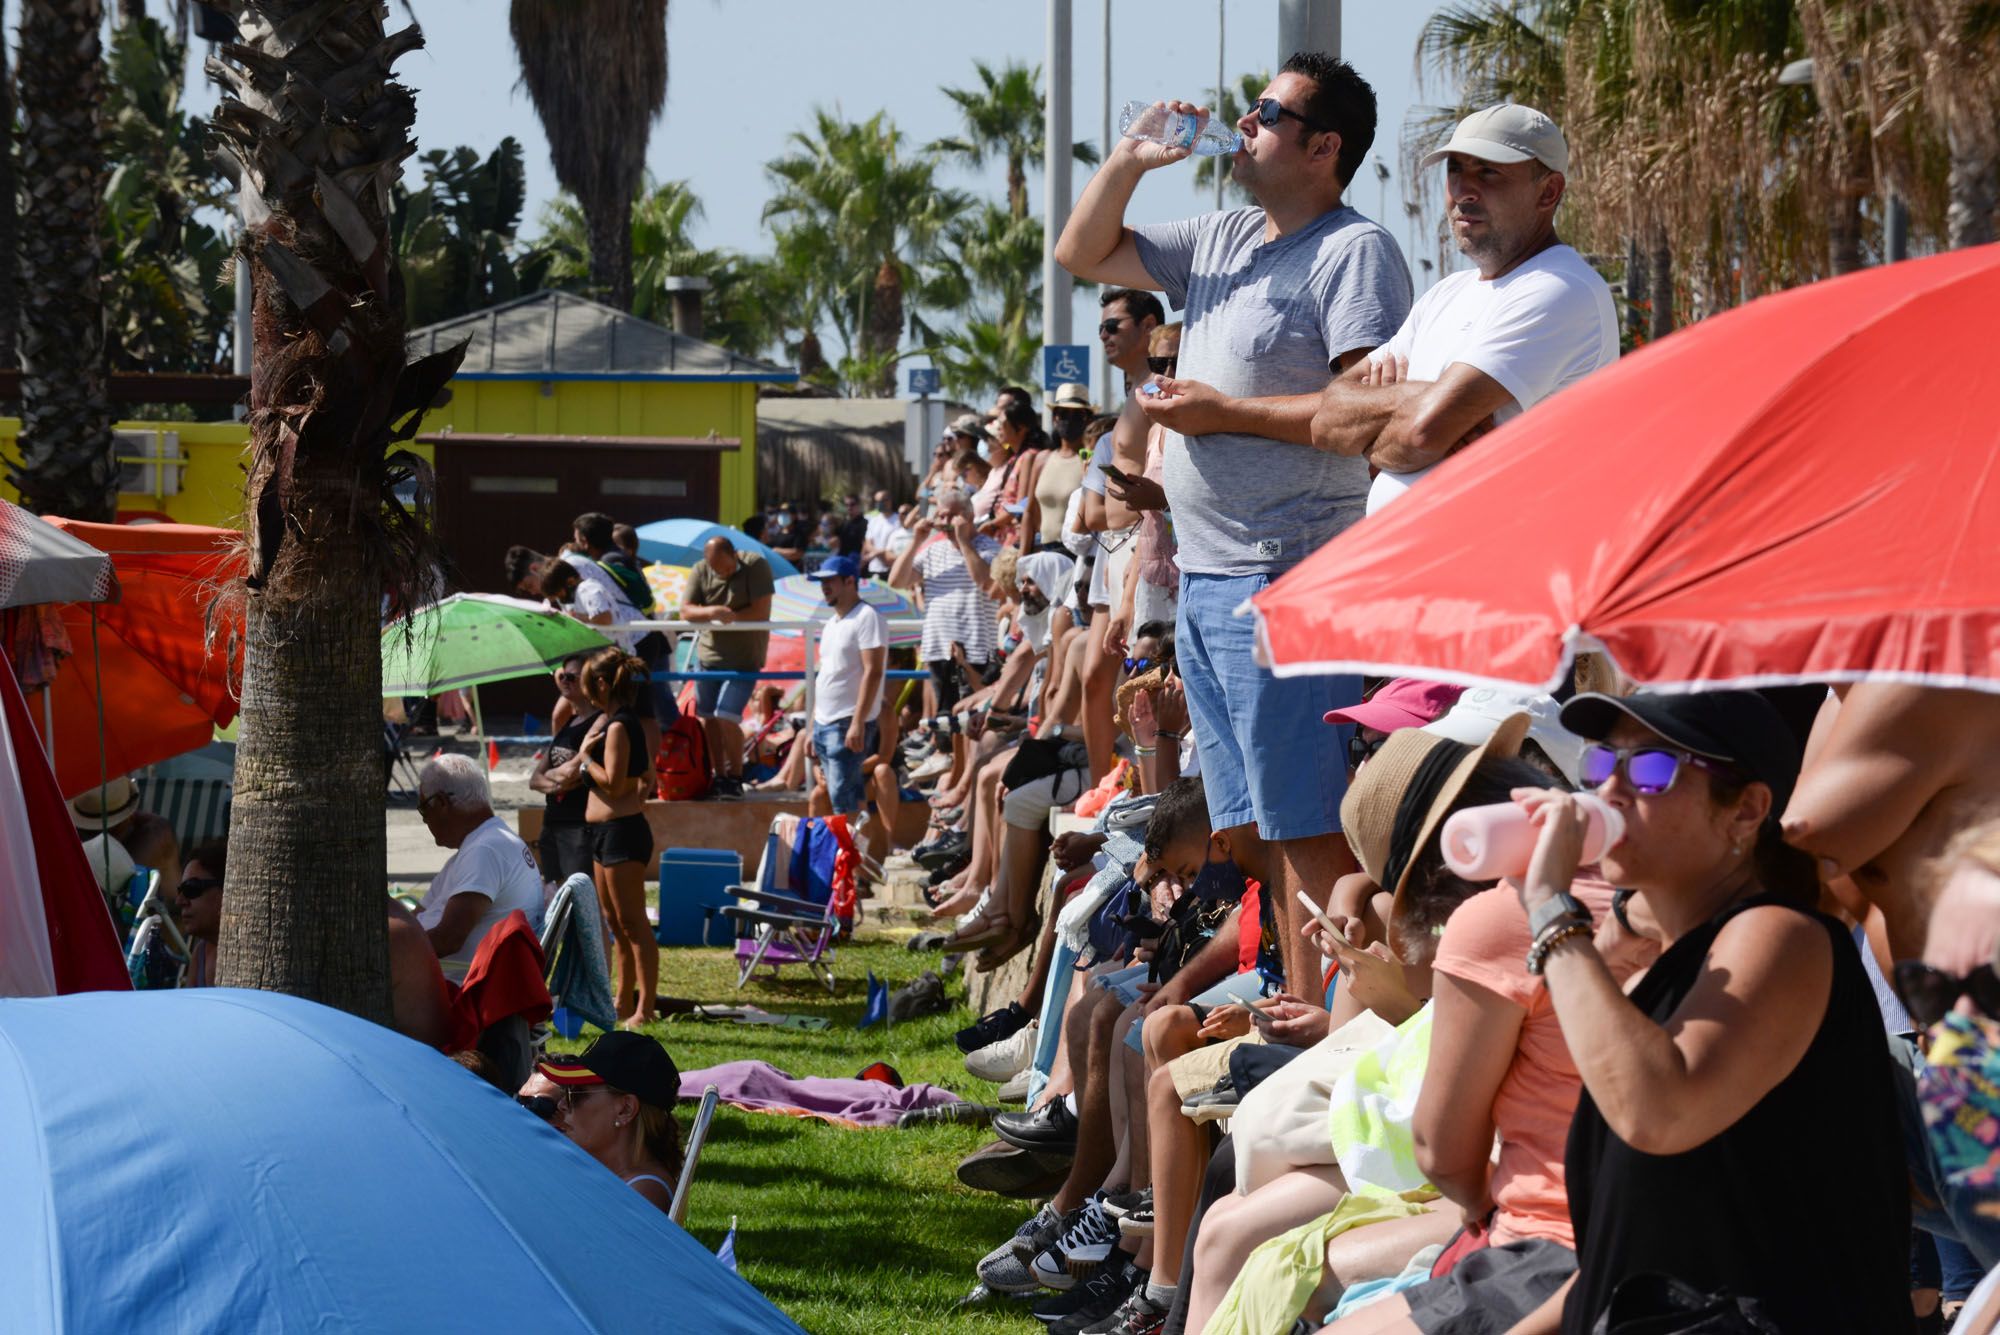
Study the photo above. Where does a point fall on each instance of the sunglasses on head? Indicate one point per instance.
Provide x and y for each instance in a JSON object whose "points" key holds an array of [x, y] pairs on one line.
{"points": [[1270, 111], [1162, 365], [1362, 749], [1651, 770], [1928, 994]]}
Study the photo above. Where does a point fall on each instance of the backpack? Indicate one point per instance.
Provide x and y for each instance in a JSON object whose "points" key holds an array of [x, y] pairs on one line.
{"points": [[630, 581], [683, 764]]}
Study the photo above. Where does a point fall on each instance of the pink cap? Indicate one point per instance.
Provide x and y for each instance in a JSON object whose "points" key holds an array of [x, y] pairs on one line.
{"points": [[1400, 702]]}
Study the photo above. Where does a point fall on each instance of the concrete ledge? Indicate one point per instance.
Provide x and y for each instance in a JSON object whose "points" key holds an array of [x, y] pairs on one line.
{"points": [[739, 823]]}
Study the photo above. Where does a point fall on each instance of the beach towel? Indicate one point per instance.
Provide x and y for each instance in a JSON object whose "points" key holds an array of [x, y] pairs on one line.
{"points": [[860, 1104], [582, 976]]}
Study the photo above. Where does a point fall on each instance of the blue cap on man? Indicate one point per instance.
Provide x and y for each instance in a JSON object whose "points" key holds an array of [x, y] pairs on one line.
{"points": [[837, 567]]}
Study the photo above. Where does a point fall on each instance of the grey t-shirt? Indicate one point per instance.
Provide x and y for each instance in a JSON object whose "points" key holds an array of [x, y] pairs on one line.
{"points": [[1265, 320]]}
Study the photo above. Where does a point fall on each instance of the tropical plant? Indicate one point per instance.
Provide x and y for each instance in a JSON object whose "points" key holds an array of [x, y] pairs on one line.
{"points": [[988, 282], [857, 218], [978, 356], [596, 71], [1229, 105], [67, 465], [454, 234], [167, 270], [327, 543], [1004, 119]]}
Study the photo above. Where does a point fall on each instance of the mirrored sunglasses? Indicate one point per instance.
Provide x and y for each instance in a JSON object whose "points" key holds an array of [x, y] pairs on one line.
{"points": [[1651, 770]]}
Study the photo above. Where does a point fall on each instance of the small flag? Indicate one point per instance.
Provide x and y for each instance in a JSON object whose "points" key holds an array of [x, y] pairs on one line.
{"points": [[878, 1002], [726, 1253]]}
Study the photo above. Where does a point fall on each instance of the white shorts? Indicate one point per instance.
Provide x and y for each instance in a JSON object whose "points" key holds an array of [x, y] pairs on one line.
{"points": [[1115, 551], [1028, 807]]}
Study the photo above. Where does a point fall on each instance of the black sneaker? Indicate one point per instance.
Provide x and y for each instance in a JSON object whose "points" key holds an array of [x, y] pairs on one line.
{"points": [[1094, 1299], [1125, 1202], [1139, 1315], [991, 1028]]}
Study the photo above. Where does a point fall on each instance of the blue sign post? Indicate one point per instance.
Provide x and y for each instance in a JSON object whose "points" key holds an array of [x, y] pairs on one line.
{"points": [[924, 381], [1064, 364]]}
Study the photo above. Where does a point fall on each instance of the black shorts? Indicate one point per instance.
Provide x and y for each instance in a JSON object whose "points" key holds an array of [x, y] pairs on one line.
{"points": [[624, 839], [565, 848], [950, 683], [1491, 1289]]}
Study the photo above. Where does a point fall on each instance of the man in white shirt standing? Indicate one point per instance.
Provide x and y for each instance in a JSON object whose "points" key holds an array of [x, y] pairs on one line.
{"points": [[491, 874], [1483, 345], [847, 692]]}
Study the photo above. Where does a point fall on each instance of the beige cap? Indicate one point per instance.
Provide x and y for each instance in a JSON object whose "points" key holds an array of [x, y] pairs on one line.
{"points": [[1072, 395], [1506, 133], [966, 424]]}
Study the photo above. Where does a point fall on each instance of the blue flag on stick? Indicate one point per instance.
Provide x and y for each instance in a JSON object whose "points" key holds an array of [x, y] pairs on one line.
{"points": [[878, 1002], [726, 1253]]}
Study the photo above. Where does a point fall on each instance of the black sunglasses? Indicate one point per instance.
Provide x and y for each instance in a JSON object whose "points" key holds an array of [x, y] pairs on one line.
{"points": [[1269, 111], [541, 1105], [197, 886], [1110, 326], [1928, 994], [1162, 365], [1362, 749]]}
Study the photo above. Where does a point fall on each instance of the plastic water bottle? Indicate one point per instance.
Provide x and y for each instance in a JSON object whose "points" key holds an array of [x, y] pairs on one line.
{"points": [[1177, 129], [1487, 843]]}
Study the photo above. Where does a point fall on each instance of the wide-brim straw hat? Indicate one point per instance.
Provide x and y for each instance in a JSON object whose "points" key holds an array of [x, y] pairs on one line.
{"points": [[1368, 812], [101, 808]]}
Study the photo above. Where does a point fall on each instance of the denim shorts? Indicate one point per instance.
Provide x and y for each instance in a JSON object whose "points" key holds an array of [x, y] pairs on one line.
{"points": [[1266, 754], [840, 766], [1239, 989], [722, 699]]}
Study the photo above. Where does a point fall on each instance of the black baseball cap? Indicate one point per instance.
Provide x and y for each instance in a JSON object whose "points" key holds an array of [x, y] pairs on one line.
{"points": [[634, 1063], [1739, 728]]}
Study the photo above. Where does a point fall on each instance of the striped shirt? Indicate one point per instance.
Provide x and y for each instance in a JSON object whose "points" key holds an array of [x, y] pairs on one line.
{"points": [[956, 611]]}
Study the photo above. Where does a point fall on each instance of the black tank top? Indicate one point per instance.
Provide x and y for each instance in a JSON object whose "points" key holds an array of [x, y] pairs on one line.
{"points": [[636, 761], [567, 808], [1803, 1204]]}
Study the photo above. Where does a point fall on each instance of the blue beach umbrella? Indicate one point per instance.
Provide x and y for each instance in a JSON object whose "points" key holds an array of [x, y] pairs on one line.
{"points": [[679, 542], [214, 1159]]}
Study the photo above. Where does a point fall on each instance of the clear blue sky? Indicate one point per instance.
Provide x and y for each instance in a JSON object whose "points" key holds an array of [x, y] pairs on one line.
{"points": [[743, 74]]}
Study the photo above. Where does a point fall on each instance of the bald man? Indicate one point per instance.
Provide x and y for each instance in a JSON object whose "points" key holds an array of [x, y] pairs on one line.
{"points": [[728, 586]]}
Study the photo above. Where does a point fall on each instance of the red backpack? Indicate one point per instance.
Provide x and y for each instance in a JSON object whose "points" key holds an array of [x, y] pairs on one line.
{"points": [[683, 764]]}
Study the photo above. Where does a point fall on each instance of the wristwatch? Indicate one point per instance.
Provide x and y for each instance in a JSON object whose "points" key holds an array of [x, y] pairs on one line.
{"points": [[1557, 906], [1554, 921]]}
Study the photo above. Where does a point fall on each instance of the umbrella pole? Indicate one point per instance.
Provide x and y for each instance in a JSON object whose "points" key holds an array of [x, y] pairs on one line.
{"points": [[479, 731], [49, 721]]}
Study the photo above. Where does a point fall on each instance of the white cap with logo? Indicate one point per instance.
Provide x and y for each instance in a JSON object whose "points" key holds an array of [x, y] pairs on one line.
{"points": [[1506, 133]]}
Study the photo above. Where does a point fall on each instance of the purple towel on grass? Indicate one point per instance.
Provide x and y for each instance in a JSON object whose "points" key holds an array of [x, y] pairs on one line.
{"points": [[762, 1087]]}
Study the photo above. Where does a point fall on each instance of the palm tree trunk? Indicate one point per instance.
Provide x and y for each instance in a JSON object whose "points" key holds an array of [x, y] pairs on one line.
{"points": [[67, 464], [10, 220], [885, 323], [303, 911], [1635, 293], [1660, 284], [610, 225], [1017, 189], [1843, 223], [1974, 182]]}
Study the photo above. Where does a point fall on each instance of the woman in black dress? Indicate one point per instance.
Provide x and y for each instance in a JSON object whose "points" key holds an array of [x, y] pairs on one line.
{"points": [[1737, 1131]]}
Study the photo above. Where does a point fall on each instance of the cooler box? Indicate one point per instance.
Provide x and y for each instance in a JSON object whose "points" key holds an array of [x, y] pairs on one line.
{"points": [[691, 880]]}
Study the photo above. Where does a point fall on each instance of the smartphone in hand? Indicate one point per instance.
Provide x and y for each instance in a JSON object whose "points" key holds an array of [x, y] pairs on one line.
{"points": [[1117, 475]]}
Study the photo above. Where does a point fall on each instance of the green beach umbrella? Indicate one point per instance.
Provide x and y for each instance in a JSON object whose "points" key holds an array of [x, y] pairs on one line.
{"points": [[471, 638]]}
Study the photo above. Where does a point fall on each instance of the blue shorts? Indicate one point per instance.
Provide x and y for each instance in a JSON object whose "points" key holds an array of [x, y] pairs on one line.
{"points": [[1266, 754], [840, 766], [1238, 989], [1123, 983], [724, 699]]}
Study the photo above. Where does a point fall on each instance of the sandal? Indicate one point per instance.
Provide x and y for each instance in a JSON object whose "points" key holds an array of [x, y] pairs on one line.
{"points": [[998, 953], [987, 927]]}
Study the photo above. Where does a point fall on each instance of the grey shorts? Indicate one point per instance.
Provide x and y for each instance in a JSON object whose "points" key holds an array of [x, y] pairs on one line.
{"points": [[1491, 1289]]}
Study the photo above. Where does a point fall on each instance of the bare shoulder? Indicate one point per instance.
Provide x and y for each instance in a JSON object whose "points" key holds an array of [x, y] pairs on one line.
{"points": [[1775, 939]]}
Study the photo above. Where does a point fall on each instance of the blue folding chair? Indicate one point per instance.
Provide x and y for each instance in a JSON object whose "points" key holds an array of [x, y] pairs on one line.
{"points": [[776, 927]]}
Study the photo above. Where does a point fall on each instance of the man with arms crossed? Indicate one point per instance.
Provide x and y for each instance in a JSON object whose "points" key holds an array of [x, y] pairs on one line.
{"points": [[1276, 297]]}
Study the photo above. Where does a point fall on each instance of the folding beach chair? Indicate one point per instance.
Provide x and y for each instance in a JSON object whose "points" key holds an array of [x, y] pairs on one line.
{"points": [[577, 974], [399, 767], [783, 923], [697, 1137]]}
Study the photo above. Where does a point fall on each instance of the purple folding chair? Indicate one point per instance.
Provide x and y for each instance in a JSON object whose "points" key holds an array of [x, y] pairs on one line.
{"points": [[776, 927]]}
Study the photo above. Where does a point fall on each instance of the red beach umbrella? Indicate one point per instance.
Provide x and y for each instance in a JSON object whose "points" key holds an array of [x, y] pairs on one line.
{"points": [[1803, 489]]}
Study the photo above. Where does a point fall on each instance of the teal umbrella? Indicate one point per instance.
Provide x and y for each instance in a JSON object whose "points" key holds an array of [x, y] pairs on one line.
{"points": [[471, 638]]}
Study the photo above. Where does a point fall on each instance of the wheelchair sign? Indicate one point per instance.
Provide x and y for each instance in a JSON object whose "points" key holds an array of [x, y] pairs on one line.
{"points": [[1063, 364]]}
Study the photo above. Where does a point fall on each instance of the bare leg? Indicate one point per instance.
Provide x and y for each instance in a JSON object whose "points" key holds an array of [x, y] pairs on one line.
{"points": [[1062, 1079], [1312, 865], [624, 954], [1179, 1148], [628, 884], [1234, 1226], [1094, 1150], [1038, 973], [1100, 681], [1379, 1251], [1132, 1068]]}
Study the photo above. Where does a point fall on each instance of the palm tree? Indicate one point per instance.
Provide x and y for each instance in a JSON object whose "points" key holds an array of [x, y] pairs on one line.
{"points": [[1228, 107], [596, 71], [329, 547], [861, 217], [454, 235], [10, 257], [1004, 119], [67, 464]]}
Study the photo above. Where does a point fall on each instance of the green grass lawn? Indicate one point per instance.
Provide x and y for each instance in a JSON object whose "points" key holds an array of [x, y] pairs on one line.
{"points": [[847, 1231]]}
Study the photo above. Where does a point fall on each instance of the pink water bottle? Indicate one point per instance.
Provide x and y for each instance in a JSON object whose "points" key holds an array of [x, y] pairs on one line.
{"points": [[1487, 843]]}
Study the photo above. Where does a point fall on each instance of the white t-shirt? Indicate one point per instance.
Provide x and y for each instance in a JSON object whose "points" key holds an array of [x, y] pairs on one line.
{"points": [[493, 862], [598, 593], [837, 688], [882, 530], [1536, 329]]}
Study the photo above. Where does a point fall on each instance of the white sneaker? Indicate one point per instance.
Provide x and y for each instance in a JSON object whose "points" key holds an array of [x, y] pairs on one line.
{"points": [[1006, 1058], [1015, 1090], [930, 769]]}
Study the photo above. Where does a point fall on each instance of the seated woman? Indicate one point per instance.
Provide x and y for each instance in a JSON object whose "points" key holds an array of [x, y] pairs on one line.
{"points": [[198, 901], [1700, 1145], [616, 1101]]}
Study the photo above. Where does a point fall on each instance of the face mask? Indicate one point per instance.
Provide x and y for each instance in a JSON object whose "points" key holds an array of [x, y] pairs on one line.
{"points": [[1070, 426], [1960, 1093], [985, 451], [1221, 881]]}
